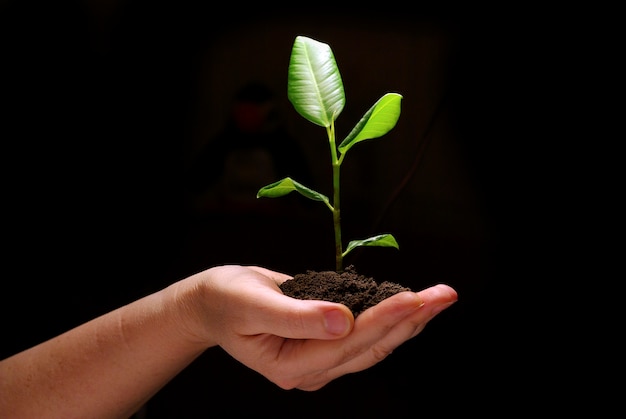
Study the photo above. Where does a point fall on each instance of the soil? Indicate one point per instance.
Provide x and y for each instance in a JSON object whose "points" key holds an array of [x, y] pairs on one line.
{"points": [[356, 291]]}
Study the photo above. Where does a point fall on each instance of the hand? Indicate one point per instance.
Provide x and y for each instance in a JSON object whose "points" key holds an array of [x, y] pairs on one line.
{"points": [[111, 365], [305, 344]]}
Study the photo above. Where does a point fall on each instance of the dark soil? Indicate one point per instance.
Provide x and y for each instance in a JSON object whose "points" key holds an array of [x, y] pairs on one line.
{"points": [[350, 288]]}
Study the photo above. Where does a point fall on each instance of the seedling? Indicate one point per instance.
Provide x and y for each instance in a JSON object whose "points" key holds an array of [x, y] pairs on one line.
{"points": [[315, 89]]}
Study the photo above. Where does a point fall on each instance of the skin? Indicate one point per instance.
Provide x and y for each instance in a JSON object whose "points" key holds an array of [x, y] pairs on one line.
{"points": [[110, 366]]}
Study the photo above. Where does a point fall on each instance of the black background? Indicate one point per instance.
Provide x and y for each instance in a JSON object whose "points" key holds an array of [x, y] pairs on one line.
{"points": [[96, 111]]}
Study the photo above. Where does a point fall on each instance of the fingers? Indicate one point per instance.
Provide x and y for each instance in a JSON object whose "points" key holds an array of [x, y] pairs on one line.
{"points": [[392, 335], [437, 299], [377, 332]]}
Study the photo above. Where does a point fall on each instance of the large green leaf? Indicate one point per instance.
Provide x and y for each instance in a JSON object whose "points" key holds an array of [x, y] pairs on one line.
{"points": [[287, 185], [376, 122], [314, 84], [382, 240]]}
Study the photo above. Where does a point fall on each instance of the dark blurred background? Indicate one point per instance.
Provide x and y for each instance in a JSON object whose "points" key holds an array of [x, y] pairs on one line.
{"points": [[108, 106]]}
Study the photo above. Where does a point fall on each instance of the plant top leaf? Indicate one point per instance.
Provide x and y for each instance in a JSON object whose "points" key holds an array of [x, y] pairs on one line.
{"points": [[382, 240], [376, 122], [314, 85]]}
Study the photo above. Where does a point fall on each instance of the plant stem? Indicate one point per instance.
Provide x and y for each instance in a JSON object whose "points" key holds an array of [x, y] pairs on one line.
{"points": [[337, 220], [336, 164]]}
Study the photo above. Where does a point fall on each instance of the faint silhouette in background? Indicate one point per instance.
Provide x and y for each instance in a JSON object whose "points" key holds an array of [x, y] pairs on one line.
{"points": [[253, 150]]}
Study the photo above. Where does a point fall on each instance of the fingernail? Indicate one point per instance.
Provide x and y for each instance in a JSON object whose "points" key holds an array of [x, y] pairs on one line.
{"points": [[413, 301], [336, 322]]}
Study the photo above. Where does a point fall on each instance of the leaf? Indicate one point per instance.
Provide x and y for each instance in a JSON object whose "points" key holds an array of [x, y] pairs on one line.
{"points": [[382, 240], [376, 122], [314, 85], [287, 185]]}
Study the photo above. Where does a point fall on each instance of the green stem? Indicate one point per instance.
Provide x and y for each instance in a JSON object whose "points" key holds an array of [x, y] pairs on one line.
{"points": [[336, 164]]}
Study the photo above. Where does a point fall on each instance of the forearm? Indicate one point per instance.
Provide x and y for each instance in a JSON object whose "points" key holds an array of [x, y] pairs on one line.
{"points": [[107, 367]]}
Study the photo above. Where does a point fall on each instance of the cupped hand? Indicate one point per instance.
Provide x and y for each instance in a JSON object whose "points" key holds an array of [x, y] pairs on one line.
{"points": [[306, 344]]}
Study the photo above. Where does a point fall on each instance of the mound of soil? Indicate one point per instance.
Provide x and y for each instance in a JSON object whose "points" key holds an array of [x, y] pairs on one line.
{"points": [[350, 288]]}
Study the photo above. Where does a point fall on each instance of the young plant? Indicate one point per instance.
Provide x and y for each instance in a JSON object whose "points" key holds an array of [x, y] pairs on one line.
{"points": [[315, 89]]}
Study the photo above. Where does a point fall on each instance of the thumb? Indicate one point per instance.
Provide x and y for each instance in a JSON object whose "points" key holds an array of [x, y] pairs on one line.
{"points": [[305, 319], [294, 318]]}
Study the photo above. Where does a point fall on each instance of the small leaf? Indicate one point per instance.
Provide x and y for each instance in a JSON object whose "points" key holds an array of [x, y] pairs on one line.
{"points": [[376, 122], [287, 185], [382, 240], [314, 85]]}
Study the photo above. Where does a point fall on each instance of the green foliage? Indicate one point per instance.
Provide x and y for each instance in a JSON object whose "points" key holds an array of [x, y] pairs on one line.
{"points": [[287, 185], [315, 89]]}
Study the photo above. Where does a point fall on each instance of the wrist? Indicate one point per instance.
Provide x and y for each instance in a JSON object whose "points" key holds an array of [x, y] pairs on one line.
{"points": [[189, 300]]}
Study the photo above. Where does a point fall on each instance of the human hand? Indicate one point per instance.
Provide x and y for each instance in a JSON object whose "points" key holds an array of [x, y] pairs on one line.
{"points": [[306, 344]]}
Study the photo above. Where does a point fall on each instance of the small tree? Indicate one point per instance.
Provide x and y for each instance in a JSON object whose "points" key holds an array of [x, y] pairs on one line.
{"points": [[315, 89]]}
